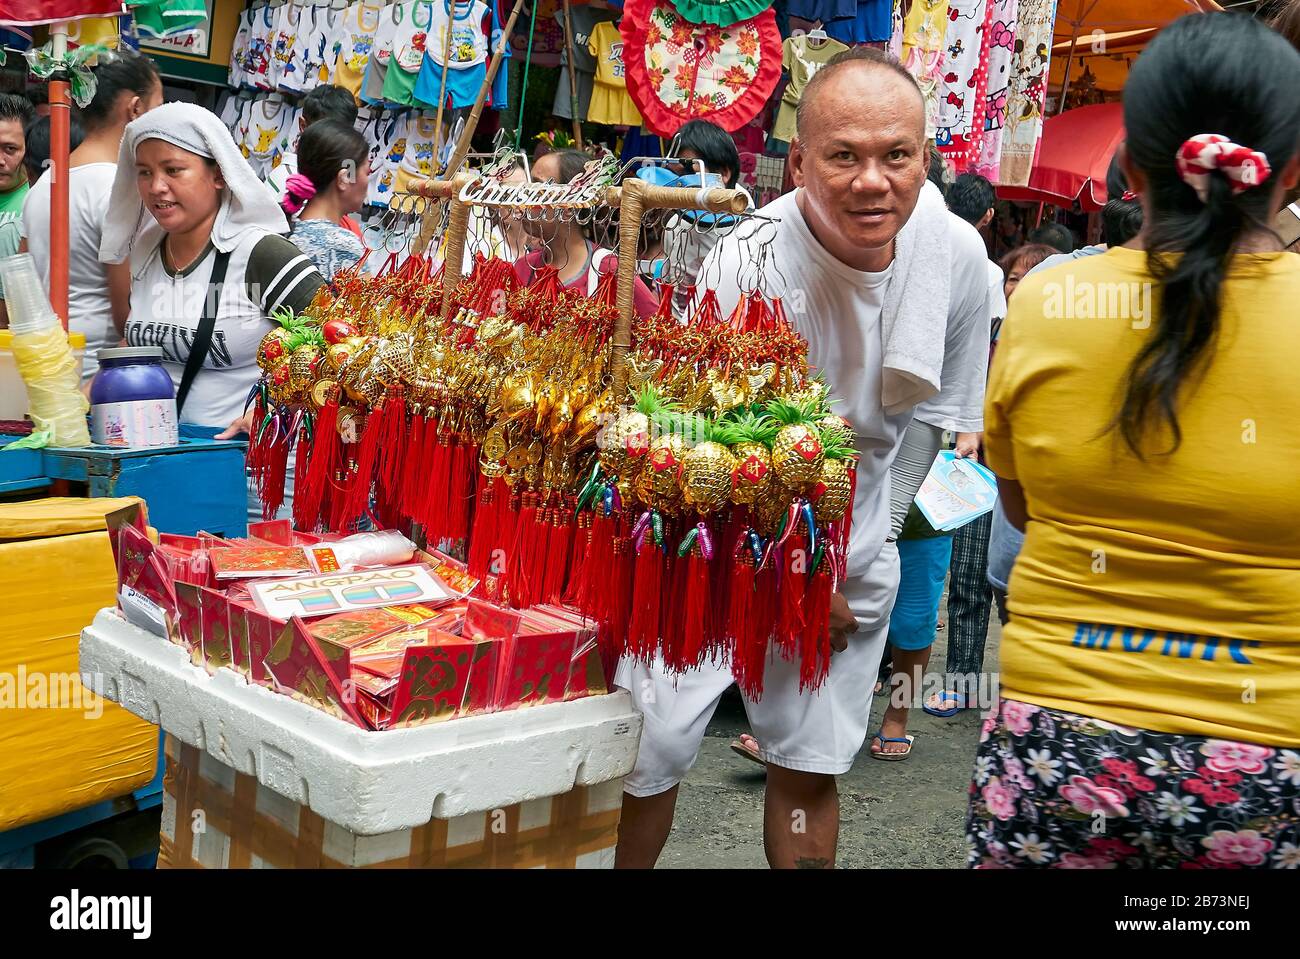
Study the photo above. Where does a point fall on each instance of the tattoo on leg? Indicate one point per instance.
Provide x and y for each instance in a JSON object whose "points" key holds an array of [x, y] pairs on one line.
{"points": [[804, 863]]}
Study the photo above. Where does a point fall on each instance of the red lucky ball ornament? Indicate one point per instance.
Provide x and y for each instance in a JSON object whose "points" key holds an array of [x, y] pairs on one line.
{"points": [[336, 331], [678, 71]]}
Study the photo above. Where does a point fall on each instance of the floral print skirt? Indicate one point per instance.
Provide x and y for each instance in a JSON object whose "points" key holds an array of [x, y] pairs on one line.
{"points": [[1059, 790]]}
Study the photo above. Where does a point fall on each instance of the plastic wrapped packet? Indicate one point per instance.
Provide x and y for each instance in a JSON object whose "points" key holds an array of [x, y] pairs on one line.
{"points": [[360, 550]]}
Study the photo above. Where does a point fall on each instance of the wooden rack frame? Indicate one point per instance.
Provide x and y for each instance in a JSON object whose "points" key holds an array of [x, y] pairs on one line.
{"points": [[633, 198]]}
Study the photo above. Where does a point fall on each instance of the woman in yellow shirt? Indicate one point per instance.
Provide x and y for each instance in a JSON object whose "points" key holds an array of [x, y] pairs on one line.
{"points": [[1139, 416]]}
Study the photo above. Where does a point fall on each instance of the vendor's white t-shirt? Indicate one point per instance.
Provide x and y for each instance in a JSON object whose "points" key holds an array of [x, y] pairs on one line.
{"points": [[89, 309], [838, 309], [959, 404], [265, 272]]}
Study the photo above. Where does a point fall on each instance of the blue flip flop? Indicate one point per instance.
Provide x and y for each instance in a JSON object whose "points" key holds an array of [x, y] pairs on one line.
{"points": [[892, 757], [945, 697]]}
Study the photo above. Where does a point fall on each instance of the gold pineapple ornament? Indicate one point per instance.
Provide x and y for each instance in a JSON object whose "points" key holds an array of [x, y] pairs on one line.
{"points": [[707, 466], [751, 474], [797, 453], [626, 441], [272, 349], [302, 367], [831, 493]]}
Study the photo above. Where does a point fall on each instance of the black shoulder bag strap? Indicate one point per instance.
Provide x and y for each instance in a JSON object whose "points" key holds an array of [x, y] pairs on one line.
{"points": [[202, 344]]}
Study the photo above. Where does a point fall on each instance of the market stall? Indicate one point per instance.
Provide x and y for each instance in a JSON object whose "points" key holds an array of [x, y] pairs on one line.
{"points": [[556, 477]]}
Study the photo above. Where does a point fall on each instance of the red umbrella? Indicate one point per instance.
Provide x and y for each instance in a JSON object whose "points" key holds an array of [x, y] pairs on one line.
{"points": [[1073, 157], [23, 12]]}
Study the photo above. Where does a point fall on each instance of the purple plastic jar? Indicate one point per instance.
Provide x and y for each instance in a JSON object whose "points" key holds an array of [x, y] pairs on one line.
{"points": [[132, 400]]}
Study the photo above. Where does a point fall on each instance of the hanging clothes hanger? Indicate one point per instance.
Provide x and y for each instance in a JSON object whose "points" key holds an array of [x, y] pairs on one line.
{"points": [[817, 35]]}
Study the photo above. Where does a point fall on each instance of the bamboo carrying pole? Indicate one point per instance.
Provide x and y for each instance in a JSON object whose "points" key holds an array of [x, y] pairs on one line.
{"points": [[573, 74], [633, 198], [462, 145], [442, 87]]}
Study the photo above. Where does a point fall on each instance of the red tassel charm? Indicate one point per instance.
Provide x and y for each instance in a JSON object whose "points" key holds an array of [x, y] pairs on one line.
{"points": [[793, 586], [483, 538], [647, 595], [437, 484], [559, 545], [815, 650], [411, 479], [275, 463], [519, 564], [618, 609], [598, 586], [300, 467], [464, 467], [259, 442], [696, 610], [672, 633], [356, 488], [394, 441], [580, 554], [749, 652], [321, 466]]}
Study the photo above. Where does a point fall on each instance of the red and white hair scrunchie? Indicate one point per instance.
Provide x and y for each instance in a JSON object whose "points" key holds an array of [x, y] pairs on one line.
{"points": [[1202, 154]]}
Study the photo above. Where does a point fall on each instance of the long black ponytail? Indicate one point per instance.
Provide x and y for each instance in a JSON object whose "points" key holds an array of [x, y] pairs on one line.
{"points": [[1205, 73]]}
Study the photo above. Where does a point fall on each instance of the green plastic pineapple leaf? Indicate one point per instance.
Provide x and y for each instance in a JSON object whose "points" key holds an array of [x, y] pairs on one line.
{"points": [[836, 445], [754, 426], [791, 412]]}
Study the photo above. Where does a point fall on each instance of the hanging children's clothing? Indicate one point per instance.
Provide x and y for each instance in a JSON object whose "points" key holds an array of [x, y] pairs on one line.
{"points": [[801, 58], [319, 47], [468, 41], [260, 41], [418, 159], [410, 41], [241, 122], [610, 101], [286, 54], [467, 67], [873, 23], [238, 74], [272, 130], [582, 21], [356, 38], [381, 52], [388, 146]]}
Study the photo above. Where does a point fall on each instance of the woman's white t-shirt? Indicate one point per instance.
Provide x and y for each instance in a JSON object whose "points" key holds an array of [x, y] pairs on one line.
{"points": [[265, 272], [89, 309]]}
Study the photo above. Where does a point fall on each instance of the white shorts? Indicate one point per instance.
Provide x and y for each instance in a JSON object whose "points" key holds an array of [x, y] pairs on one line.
{"points": [[816, 732]]}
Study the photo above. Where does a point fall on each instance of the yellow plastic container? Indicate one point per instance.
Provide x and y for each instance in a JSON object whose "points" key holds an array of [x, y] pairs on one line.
{"points": [[13, 391], [61, 746]]}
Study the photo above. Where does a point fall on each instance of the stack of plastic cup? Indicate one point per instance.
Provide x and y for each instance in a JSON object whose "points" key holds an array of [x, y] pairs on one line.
{"points": [[45, 360]]}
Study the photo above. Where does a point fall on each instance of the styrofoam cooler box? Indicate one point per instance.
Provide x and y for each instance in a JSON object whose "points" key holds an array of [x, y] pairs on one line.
{"points": [[364, 782]]}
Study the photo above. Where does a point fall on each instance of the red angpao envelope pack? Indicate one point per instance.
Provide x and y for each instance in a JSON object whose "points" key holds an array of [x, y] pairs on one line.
{"points": [[189, 616], [249, 562], [313, 673], [215, 618], [452, 676], [589, 674]]}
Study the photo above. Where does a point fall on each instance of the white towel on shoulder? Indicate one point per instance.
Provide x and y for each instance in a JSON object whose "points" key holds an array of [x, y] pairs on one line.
{"points": [[247, 204], [914, 319]]}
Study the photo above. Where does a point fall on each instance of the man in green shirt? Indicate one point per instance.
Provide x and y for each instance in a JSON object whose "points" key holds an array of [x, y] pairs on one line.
{"points": [[15, 113]]}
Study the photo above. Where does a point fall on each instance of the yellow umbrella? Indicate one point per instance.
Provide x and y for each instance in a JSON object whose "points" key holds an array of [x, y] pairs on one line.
{"points": [[1098, 29]]}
